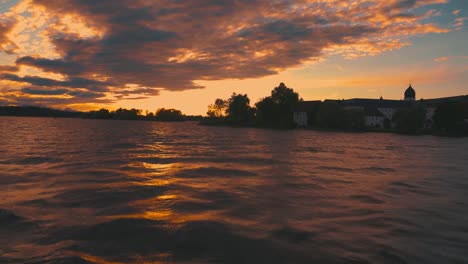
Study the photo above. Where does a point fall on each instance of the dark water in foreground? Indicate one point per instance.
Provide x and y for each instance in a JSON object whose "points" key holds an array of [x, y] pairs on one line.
{"points": [[90, 191]]}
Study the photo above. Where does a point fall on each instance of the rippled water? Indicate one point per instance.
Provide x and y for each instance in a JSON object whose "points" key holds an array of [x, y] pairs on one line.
{"points": [[102, 191]]}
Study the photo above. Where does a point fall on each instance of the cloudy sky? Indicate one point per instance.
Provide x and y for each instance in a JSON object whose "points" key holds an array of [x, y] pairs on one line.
{"points": [[87, 54]]}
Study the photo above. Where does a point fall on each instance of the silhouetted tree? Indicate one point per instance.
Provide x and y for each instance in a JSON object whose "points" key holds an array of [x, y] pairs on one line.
{"points": [[286, 100], [149, 115], [331, 115], [267, 112], [100, 114], [239, 110], [277, 109], [410, 119], [218, 109], [125, 114], [163, 114], [355, 119], [194, 118], [450, 116], [284, 96]]}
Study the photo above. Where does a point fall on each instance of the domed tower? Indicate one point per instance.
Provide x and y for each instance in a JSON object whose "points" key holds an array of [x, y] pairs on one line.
{"points": [[410, 94]]}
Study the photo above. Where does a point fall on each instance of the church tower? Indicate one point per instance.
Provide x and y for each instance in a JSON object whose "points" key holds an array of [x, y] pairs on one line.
{"points": [[410, 94]]}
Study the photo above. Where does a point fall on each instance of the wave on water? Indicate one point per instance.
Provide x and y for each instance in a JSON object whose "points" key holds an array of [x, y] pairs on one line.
{"points": [[149, 192]]}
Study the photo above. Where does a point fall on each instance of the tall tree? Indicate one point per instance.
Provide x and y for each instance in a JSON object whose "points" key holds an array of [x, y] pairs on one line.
{"points": [[163, 114], [267, 112], [330, 115], [126, 114], [410, 119], [450, 116], [284, 96], [218, 109], [286, 100], [238, 109]]}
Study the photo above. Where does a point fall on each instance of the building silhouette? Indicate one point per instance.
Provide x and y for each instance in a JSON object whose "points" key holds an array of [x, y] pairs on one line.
{"points": [[410, 94], [377, 112]]}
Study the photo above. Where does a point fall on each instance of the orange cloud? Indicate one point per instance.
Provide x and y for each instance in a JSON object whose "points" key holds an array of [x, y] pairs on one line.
{"points": [[107, 51], [459, 23], [441, 59]]}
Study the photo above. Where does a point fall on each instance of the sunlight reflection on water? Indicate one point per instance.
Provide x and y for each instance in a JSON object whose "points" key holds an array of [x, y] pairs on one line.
{"points": [[101, 191]]}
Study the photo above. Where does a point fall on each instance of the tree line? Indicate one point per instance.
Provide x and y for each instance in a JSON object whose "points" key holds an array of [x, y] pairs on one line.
{"points": [[276, 111], [162, 114], [452, 118]]}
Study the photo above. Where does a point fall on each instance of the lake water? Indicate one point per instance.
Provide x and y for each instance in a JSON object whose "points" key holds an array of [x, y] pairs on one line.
{"points": [[103, 191]]}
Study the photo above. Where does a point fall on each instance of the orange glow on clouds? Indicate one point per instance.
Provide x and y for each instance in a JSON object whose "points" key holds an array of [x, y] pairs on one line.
{"points": [[87, 56]]}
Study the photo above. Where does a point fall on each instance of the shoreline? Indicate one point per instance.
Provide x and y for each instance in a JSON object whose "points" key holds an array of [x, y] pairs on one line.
{"points": [[432, 132]]}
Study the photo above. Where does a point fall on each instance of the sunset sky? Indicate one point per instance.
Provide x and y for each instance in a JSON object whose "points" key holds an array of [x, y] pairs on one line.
{"points": [[147, 54]]}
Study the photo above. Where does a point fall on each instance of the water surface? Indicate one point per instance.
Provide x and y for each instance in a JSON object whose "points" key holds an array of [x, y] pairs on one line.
{"points": [[103, 191]]}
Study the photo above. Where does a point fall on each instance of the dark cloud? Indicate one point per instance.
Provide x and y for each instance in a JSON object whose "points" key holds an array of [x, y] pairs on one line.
{"points": [[36, 91], [55, 101], [4, 29], [141, 40], [55, 66], [45, 96], [8, 68], [5, 44], [169, 44], [403, 4], [76, 90], [73, 82]]}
